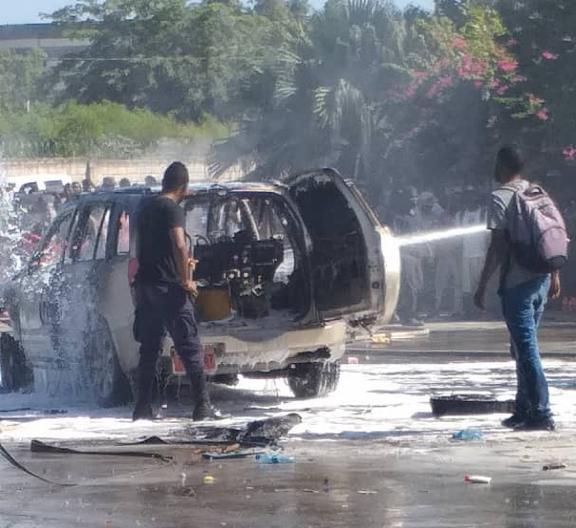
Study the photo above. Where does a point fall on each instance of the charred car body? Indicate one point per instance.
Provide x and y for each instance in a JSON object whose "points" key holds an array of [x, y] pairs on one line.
{"points": [[283, 270]]}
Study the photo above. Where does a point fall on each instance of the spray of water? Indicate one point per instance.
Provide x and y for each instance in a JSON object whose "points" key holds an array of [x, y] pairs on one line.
{"points": [[434, 236]]}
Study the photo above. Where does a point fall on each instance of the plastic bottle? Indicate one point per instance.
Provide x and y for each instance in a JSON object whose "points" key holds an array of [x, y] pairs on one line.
{"points": [[466, 435], [274, 458]]}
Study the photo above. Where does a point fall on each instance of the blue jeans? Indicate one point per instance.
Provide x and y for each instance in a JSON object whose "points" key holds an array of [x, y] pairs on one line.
{"points": [[523, 306]]}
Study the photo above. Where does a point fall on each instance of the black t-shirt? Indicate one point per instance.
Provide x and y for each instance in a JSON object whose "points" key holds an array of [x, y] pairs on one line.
{"points": [[156, 262]]}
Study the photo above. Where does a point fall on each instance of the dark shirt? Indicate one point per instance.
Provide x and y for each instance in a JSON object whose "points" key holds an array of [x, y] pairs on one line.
{"points": [[156, 262]]}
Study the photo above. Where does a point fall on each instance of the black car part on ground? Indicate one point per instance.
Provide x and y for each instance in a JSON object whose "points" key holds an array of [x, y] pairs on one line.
{"points": [[464, 404], [4, 452]]}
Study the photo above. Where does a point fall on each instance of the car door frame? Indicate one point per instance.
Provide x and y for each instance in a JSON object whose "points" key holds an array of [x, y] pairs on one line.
{"points": [[373, 307]]}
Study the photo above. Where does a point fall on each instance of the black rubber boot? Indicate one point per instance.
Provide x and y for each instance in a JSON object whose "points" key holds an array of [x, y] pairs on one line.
{"points": [[203, 409], [143, 408], [143, 411]]}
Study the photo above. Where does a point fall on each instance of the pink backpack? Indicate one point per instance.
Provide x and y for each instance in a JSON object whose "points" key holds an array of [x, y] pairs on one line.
{"points": [[536, 230]]}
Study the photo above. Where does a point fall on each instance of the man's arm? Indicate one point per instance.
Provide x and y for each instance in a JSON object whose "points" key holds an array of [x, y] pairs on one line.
{"points": [[180, 251], [497, 253]]}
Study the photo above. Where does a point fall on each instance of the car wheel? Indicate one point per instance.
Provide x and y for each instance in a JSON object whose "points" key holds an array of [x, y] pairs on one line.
{"points": [[15, 373], [310, 380], [105, 377]]}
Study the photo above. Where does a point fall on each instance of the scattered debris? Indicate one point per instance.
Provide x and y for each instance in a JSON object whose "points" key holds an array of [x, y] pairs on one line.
{"points": [[260, 433], [274, 458], [36, 446], [4, 452], [381, 339], [367, 492], [552, 467], [352, 360], [467, 435], [465, 404], [477, 479], [239, 453], [208, 479]]}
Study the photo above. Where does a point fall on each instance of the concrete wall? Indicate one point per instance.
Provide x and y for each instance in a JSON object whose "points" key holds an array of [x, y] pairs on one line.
{"points": [[29, 170]]}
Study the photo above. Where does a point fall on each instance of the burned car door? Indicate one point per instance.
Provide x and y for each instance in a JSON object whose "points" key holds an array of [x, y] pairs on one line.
{"points": [[73, 294], [33, 306], [355, 263]]}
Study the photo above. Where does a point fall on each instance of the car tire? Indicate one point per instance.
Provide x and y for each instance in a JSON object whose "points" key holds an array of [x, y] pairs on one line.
{"points": [[311, 380], [107, 382], [15, 373]]}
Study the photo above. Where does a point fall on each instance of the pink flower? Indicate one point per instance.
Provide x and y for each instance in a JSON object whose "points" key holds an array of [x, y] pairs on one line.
{"points": [[569, 153], [459, 42], [534, 101], [478, 84], [543, 114], [502, 89], [508, 65], [548, 55]]}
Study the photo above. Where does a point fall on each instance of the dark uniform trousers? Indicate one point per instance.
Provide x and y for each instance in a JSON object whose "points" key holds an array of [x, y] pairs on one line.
{"points": [[162, 308]]}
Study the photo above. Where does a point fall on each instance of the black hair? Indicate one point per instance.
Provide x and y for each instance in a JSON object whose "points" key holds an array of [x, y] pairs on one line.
{"points": [[175, 177], [510, 159]]}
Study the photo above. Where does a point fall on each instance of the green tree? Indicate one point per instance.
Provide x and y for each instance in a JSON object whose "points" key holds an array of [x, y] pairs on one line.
{"points": [[20, 74], [170, 56]]}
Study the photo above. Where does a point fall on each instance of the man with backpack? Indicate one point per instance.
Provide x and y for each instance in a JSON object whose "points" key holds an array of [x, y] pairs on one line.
{"points": [[529, 245]]}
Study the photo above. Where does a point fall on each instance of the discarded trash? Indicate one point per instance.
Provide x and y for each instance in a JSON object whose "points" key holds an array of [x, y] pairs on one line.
{"points": [[274, 458], [551, 467], [477, 479], [183, 479], [36, 446], [242, 453], [367, 492], [381, 339], [326, 486], [259, 433], [4, 453], [467, 435], [353, 360], [465, 404], [208, 479]]}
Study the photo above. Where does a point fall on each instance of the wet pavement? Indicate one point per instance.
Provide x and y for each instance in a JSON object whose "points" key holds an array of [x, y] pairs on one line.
{"points": [[369, 455]]}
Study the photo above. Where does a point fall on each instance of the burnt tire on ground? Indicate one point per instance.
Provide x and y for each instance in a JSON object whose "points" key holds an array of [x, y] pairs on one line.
{"points": [[106, 380], [310, 380]]}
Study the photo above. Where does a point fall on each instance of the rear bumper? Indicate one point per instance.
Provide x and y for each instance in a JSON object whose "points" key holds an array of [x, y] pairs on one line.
{"points": [[267, 350]]}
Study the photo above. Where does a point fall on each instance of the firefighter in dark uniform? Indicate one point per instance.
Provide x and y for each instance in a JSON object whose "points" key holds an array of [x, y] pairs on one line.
{"points": [[164, 292]]}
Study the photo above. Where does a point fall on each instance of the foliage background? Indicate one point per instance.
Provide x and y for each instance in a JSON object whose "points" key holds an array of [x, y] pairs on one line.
{"points": [[388, 97]]}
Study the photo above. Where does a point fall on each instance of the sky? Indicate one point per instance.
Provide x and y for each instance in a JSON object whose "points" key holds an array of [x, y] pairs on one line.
{"points": [[27, 11]]}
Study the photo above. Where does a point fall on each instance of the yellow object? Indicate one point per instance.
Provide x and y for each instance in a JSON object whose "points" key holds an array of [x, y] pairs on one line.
{"points": [[208, 479], [214, 304], [381, 339]]}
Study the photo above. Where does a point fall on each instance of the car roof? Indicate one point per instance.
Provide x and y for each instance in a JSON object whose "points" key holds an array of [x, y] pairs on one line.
{"points": [[200, 187]]}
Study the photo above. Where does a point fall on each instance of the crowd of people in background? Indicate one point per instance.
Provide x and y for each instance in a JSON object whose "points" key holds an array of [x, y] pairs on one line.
{"points": [[439, 277], [27, 213]]}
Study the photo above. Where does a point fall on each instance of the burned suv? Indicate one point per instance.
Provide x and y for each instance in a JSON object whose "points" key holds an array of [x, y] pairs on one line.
{"points": [[284, 270]]}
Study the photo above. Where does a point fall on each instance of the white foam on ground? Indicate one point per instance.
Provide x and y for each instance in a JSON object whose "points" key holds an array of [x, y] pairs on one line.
{"points": [[382, 402]]}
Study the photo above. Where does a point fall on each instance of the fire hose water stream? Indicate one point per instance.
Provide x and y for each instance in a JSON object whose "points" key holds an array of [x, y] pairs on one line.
{"points": [[435, 236]]}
